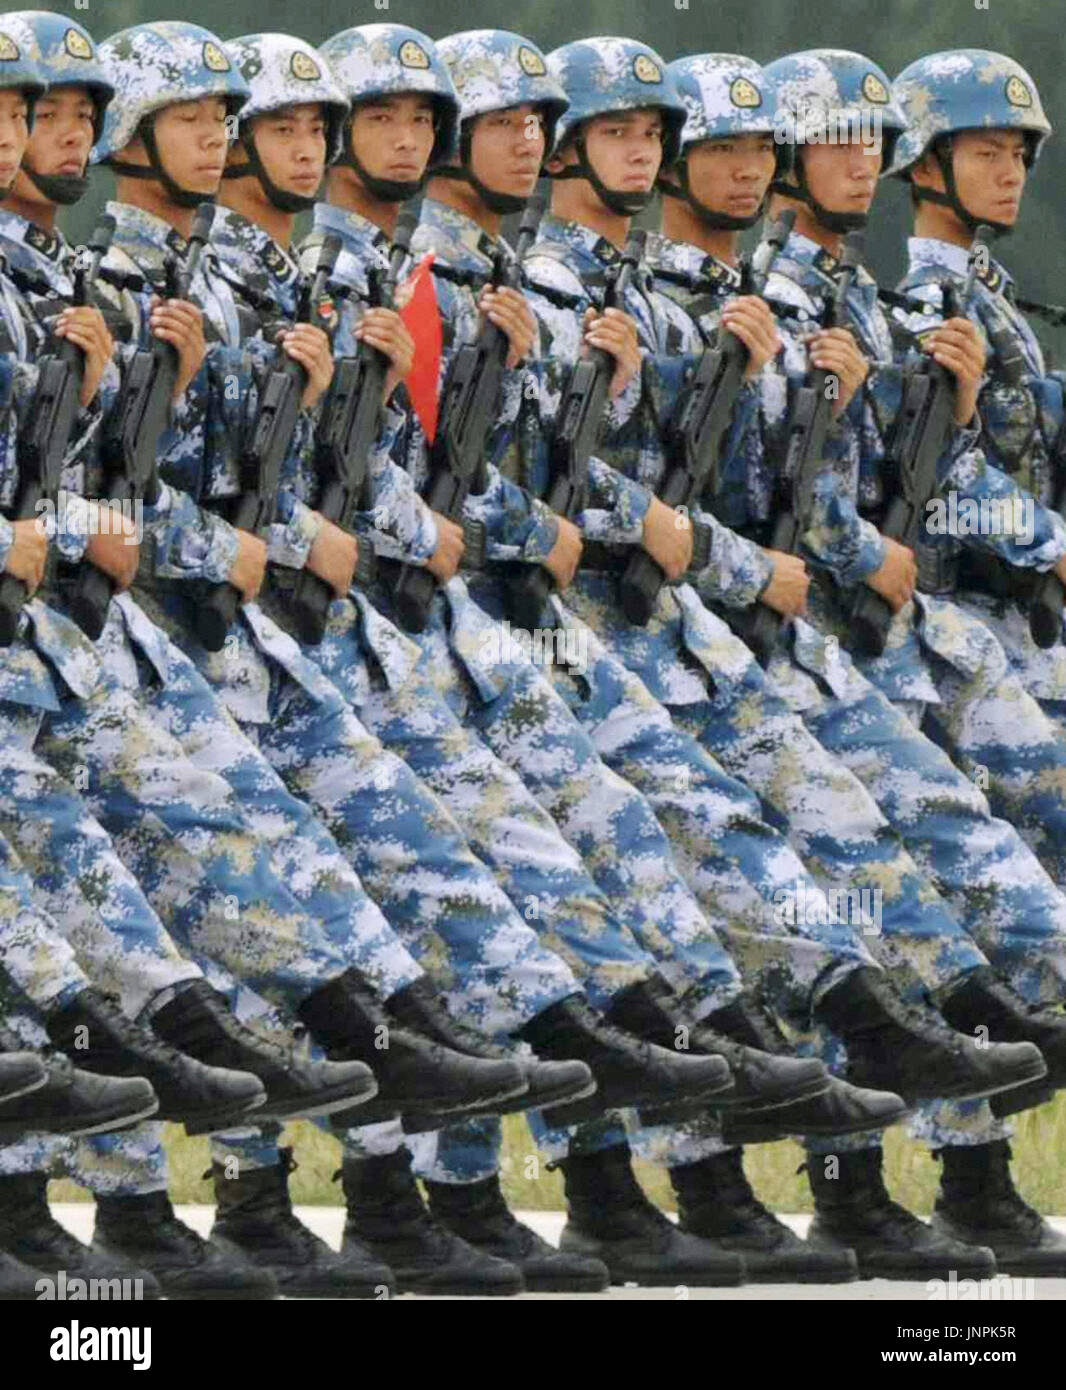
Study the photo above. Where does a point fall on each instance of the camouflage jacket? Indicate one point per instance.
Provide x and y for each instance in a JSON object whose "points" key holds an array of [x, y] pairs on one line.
{"points": [[568, 263], [398, 522], [1019, 423], [517, 526]]}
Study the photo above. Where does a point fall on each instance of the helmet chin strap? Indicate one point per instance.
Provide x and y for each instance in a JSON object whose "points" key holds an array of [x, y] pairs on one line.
{"points": [[839, 222], [62, 189], [715, 221], [280, 198], [944, 155], [153, 170], [622, 204], [502, 204]]}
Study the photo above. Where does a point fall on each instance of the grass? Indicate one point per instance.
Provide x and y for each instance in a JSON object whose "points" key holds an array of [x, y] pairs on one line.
{"points": [[1039, 1150]]}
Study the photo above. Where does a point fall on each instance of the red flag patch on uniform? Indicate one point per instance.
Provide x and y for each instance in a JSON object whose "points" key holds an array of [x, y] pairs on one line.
{"points": [[421, 313]]}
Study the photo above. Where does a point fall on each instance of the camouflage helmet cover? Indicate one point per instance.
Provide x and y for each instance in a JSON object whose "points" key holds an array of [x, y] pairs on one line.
{"points": [[64, 54], [390, 60], [832, 88], [284, 71], [494, 69], [152, 66], [601, 75], [723, 94], [17, 66], [965, 89]]}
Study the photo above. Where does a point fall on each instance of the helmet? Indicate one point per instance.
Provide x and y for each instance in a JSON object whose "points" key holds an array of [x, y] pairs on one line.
{"points": [[283, 71], [18, 61], [963, 89], [602, 75], [494, 69], [153, 66], [65, 55], [723, 95], [376, 60], [825, 91]]}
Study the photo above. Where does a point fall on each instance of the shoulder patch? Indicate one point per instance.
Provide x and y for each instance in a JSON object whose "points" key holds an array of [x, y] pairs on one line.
{"points": [[9, 49], [646, 69], [77, 45], [45, 242], [304, 68], [275, 260], [413, 55], [214, 59], [1018, 93], [532, 64], [873, 89], [744, 93]]}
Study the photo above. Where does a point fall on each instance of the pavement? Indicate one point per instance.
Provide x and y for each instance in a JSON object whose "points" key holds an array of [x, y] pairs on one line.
{"points": [[328, 1222]]}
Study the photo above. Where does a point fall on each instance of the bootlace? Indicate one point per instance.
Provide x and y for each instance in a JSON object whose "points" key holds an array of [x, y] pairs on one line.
{"points": [[142, 1033]]}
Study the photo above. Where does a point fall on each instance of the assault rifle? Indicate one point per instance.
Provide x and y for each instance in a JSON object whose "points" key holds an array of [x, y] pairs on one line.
{"points": [[471, 399], [270, 441], [760, 625], [923, 430], [44, 441], [698, 432], [139, 417], [351, 420], [577, 427]]}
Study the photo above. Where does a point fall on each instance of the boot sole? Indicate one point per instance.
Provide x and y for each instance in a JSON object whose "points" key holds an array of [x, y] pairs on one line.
{"points": [[462, 1290], [598, 1103], [1022, 1098], [482, 1106], [574, 1284], [740, 1135], [919, 1273], [755, 1107], [1036, 1071], [102, 1123], [24, 1089], [211, 1121], [664, 1279], [329, 1103], [423, 1122]]}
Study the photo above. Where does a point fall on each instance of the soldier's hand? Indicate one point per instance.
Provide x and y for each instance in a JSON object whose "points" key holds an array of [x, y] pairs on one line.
{"points": [[508, 310], [897, 578], [444, 562], [562, 561], [753, 322], [84, 325], [668, 538], [249, 568], [615, 332], [115, 549], [308, 345], [333, 557], [180, 323], [787, 590], [958, 346], [386, 331], [834, 350], [29, 550]]}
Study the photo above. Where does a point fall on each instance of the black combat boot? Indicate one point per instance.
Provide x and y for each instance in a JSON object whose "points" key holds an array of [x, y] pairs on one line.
{"points": [[892, 1046], [99, 1036], [842, 1109], [30, 1233], [628, 1070], [199, 1021], [852, 1210], [20, 1073], [413, 1072], [610, 1219], [144, 1230], [77, 1102], [978, 1203], [981, 999], [254, 1220], [715, 1202], [18, 1282], [387, 1216], [761, 1080], [421, 1009], [477, 1212]]}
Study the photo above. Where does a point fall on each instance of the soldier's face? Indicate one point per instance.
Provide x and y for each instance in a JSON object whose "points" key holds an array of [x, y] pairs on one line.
{"points": [[291, 144], [393, 137], [507, 149], [732, 176], [626, 149], [842, 177], [990, 173], [62, 134], [14, 133], [192, 140]]}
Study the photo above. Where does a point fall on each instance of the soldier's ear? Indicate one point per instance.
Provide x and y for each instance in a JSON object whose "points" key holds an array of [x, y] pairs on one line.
{"points": [[927, 172]]}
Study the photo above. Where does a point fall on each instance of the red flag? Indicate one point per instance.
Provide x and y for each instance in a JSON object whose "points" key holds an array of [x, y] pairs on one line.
{"points": [[421, 314]]}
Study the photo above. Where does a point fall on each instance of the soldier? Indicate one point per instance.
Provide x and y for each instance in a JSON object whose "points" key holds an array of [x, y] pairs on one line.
{"points": [[938, 661]]}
